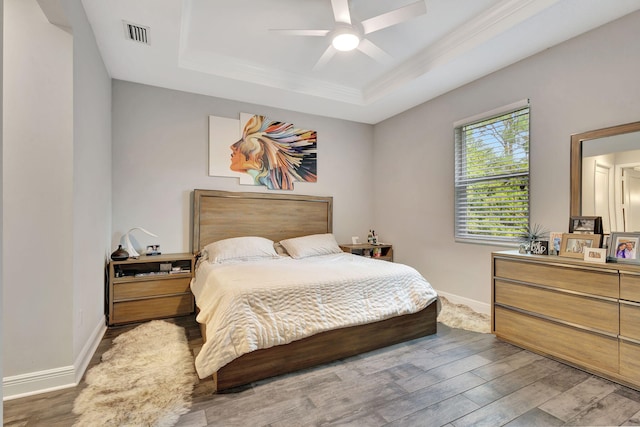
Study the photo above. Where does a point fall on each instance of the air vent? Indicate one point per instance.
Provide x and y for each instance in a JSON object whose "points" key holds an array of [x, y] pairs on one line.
{"points": [[137, 33]]}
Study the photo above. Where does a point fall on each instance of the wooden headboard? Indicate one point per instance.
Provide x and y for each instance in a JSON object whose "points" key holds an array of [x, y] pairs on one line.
{"points": [[223, 214]]}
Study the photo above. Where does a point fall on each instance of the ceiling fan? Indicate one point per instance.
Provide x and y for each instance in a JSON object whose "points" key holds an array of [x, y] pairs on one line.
{"points": [[348, 34]]}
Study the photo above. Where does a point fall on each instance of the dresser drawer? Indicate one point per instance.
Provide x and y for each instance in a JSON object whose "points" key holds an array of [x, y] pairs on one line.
{"points": [[152, 308], [564, 277], [630, 360], [630, 321], [630, 287], [140, 289], [576, 346], [588, 312]]}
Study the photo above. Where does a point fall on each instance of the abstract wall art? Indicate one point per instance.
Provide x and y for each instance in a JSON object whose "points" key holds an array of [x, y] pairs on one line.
{"points": [[262, 151]]}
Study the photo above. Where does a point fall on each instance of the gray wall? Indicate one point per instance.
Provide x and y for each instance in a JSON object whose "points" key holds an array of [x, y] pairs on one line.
{"points": [[91, 186], [37, 180], [160, 155], [586, 83], [56, 184]]}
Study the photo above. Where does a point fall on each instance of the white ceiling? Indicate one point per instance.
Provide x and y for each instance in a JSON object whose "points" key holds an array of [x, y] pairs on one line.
{"points": [[224, 48]]}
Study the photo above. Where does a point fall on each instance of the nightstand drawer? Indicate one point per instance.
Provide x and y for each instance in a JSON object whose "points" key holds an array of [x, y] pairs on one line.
{"points": [[152, 308], [149, 288]]}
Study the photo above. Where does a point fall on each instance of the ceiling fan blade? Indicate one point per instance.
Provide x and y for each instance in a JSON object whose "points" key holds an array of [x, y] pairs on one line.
{"points": [[341, 11], [374, 51], [394, 17], [326, 56], [314, 33]]}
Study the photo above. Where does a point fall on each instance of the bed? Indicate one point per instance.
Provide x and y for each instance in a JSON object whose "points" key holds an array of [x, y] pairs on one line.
{"points": [[220, 215]]}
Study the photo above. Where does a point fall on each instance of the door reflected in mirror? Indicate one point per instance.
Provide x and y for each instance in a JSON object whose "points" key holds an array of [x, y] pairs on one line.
{"points": [[611, 181]]}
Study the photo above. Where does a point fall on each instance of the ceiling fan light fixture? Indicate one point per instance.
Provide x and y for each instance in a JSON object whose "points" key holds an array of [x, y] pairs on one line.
{"points": [[345, 42]]}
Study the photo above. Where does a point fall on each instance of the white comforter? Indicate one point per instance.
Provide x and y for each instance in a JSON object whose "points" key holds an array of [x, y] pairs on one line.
{"points": [[259, 304]]}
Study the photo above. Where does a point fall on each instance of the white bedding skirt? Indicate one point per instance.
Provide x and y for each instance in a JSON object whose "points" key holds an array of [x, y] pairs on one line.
{"points": [[251, 305]]}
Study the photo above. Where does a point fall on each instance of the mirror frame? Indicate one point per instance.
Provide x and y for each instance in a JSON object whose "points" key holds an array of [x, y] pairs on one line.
{"points": [[576, 159]]}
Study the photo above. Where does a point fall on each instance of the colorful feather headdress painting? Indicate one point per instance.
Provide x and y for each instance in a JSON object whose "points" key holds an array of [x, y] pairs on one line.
{"points": [[266, 152]]}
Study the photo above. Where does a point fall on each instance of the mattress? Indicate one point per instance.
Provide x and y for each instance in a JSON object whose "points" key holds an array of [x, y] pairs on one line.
{"points": [[251, 305]]}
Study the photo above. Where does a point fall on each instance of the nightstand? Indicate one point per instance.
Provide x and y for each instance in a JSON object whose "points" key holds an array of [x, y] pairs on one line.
{"points": [[369, 250], [150, 287]]}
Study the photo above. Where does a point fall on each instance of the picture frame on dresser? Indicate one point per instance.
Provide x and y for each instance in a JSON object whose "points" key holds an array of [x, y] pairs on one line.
{"points": [[573, 244], [623, 248], [555, 240], [585, 225], [598, 255]]}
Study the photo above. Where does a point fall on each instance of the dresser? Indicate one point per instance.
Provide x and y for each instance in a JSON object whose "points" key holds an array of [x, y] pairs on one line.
{"points": [[585, 314]]}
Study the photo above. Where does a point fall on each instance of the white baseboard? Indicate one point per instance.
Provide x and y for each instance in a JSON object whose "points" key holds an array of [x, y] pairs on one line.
{"points": [[480, 307], [32, 383], [87, 352], [38, 382]]}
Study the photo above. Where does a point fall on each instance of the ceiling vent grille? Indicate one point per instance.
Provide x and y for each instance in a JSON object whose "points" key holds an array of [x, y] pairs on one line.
{"points": [[137, 33]]}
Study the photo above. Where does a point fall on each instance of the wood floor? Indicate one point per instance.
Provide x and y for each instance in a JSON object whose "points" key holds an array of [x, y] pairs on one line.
{"points": [[455, 378]]}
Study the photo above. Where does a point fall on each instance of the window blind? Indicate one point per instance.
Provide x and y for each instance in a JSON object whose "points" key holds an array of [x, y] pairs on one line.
{"points": [[492, 177]]}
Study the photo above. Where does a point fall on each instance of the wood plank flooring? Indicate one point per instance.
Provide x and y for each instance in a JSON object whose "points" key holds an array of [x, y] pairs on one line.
{"points": [[454, 378]]}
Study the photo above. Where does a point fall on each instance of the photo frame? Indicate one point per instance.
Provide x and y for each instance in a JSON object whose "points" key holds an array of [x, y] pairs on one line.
{"points": [[585, 225], [153, 250], [598, 255], [555, 239], [574, 244], [540, 247], [623, 247]]}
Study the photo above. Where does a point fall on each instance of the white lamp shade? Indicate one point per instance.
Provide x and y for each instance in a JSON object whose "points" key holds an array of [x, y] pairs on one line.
{"points": [[129, 246]]}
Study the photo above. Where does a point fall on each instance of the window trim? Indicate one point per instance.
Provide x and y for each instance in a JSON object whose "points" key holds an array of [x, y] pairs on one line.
{"points": [[489, 240]]}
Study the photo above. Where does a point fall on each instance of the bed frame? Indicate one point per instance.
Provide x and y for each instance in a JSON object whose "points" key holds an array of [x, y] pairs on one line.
{"points": [[221, 214]]}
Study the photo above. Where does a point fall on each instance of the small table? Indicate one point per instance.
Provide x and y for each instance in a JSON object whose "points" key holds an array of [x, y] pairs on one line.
{"points": [[149, 287]]}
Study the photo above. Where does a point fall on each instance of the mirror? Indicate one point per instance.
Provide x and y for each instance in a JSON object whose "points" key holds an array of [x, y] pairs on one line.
{"points": [[605, 176]]}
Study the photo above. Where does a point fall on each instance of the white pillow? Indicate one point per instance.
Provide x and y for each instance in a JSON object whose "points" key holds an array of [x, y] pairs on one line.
{"points": [[312, 245], [242, 248]]}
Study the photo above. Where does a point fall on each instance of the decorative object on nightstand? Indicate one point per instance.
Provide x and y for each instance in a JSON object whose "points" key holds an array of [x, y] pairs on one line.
{"points": [[153, 250], [379, 251], [119, 254], [150, 287], [127, 241]]}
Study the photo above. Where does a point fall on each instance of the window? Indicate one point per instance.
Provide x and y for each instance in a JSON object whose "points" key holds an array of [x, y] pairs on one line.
{"points": [[492, 175]]}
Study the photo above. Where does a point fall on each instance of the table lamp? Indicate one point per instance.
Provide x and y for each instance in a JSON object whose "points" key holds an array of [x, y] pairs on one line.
{"points": [[127, 241]]}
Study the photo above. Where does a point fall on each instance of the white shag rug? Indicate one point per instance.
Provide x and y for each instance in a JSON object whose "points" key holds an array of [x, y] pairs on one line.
{"points": [[144, 379], [463, 317]]}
